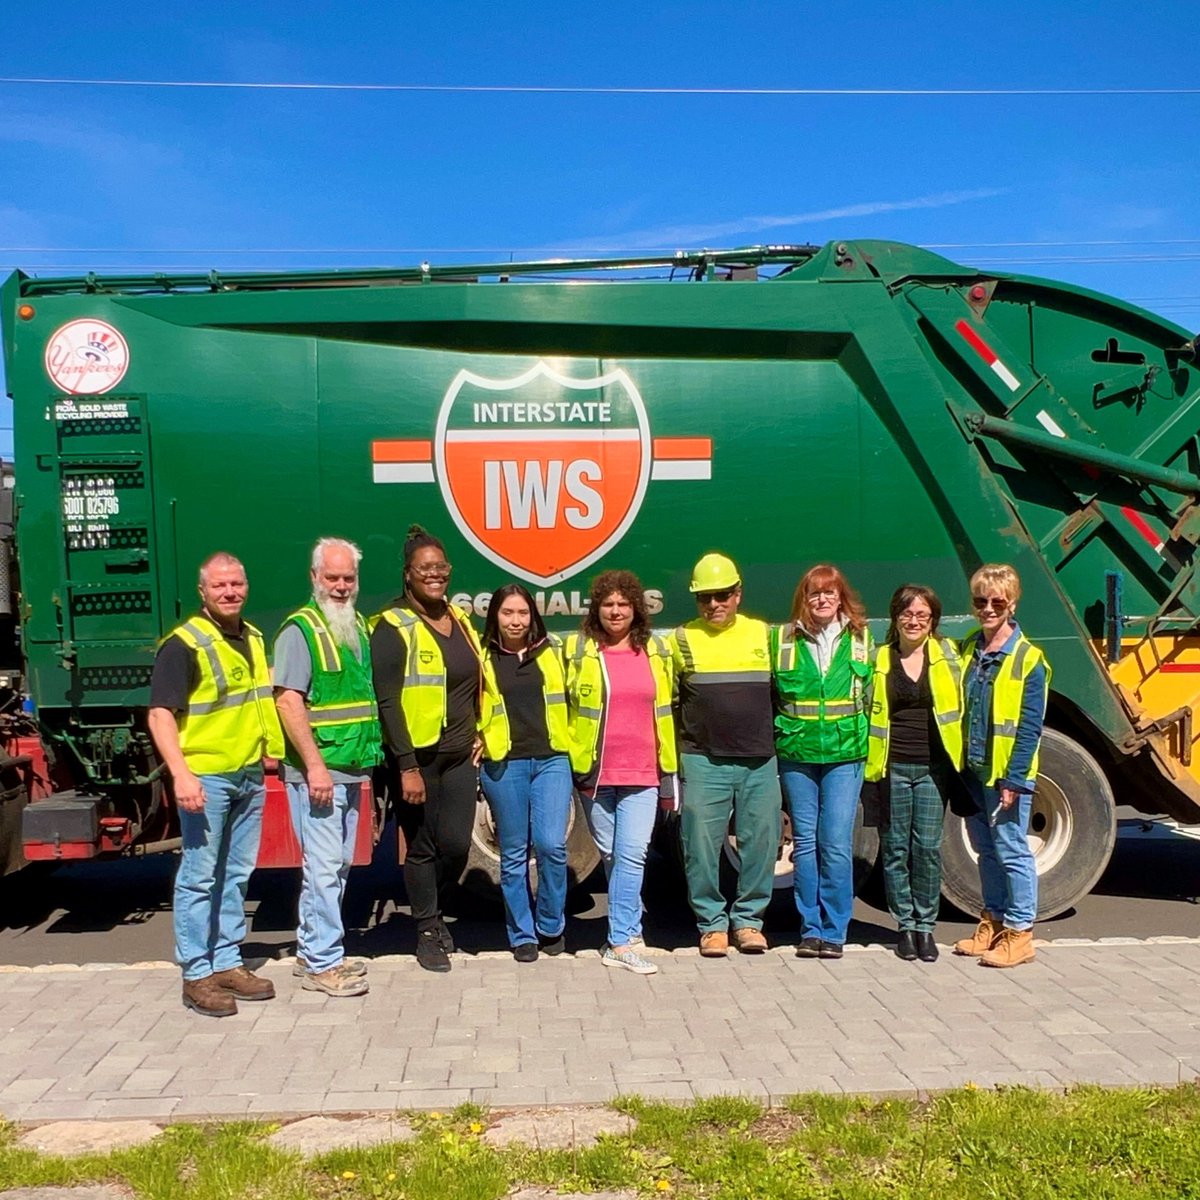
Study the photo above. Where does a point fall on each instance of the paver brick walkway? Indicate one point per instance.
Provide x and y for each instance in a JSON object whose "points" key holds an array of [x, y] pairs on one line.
{"points": [[117, 1043]]}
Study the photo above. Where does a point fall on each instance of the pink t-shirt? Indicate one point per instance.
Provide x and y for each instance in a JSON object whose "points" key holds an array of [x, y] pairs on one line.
{"points": [[629, 749]]}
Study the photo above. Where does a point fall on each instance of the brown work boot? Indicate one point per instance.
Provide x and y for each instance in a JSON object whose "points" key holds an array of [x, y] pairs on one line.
{"points": [[1012, 948], [244, 984], [983, 939], [208, 998], [750, 941], [714, 944]]}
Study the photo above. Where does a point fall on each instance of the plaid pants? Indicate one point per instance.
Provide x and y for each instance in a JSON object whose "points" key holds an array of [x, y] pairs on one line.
{"points": [[912, 844]]}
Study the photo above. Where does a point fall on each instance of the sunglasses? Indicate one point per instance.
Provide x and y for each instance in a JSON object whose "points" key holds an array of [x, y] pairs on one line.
{"points": [[715, 597], [985, 602]]}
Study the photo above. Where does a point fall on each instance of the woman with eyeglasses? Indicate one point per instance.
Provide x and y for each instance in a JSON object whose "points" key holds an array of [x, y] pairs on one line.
{"points": [[915, 745], [526, 773], [425, 658], [1006, 682], [821, 669]]}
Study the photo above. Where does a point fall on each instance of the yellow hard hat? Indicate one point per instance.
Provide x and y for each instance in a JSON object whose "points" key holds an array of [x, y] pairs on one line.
{"points": [[714, 573]]}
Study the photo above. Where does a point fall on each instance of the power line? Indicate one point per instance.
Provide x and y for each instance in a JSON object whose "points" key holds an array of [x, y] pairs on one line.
{"points": [[571, 90]]}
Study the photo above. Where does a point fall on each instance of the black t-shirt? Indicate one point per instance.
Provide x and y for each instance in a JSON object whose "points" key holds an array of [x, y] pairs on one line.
{"points": [[523, 688], [914, 737], [176, 673]]}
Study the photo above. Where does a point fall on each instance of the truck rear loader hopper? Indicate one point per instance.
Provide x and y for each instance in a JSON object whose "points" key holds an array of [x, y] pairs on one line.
{"points": [[866, 403]]}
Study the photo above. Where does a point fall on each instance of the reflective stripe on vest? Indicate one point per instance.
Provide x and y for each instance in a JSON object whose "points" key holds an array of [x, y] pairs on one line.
{"points": [[230, 722], [945, 685], [585, 702], [423, 691], [1008, 694], [494, 726]]}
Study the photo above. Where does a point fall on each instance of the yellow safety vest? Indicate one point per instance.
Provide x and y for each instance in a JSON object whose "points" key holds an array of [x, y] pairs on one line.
{"points": [[1008, 691], [423, 693], [494, 726], [586, 695], [945, 683], [231, 722]]}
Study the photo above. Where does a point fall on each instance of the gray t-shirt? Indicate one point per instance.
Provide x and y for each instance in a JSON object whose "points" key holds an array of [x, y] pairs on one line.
{"points": [[293, 671]]}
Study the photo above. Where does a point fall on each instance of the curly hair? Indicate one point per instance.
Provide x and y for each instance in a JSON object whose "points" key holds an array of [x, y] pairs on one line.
{"points": [[824, 576], [628, 586]]}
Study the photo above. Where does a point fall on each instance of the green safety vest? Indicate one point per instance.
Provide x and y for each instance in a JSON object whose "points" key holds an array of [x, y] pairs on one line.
{"points": [[230, 722], [423, 694], [342, 712], [585, 702], [820, 718], [945, 684], [493, 716], [1008, 691]]}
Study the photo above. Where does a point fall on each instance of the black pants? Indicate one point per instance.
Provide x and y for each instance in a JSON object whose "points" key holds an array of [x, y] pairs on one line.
{"points": [[438, 832]]}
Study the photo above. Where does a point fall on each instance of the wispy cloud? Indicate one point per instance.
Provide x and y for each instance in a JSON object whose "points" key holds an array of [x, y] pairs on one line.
{"points": [[677, 236]]}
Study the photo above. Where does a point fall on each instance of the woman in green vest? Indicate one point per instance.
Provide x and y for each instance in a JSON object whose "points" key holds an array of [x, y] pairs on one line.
{"points": [[425, 658], [821, 669], [915, 745], [526, 773]]}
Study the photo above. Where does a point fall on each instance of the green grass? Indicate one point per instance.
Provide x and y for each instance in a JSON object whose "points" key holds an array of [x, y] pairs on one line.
{"points": [[973, 1144]]}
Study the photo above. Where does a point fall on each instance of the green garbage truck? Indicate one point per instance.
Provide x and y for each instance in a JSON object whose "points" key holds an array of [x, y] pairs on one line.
{"points": [[866, 403]]}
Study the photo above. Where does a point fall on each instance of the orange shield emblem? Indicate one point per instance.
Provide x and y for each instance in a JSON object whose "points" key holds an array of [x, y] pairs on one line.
{"points": [[543, 472]]}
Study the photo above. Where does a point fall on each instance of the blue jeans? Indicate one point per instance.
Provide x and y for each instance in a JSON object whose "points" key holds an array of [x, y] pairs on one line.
{"points": [[220, 848], [621, 820], [1007, 869], [531, 804], [326, 833], [823, 799]]}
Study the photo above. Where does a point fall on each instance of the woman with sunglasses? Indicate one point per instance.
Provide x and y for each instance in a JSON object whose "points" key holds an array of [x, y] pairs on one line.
{"points": [[821, 666], [915, 744], [1006, 685], [425, 658], [525, 773]]}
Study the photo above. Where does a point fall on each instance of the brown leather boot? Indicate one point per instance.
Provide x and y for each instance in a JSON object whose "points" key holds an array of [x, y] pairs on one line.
{"points": [[983, 939], [1012, 948], [244, 984], [208, 998], [750, 941], [714, 944]]}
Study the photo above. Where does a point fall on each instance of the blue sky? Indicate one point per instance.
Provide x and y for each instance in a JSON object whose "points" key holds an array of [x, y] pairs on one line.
{"points": [[1100, 189]]}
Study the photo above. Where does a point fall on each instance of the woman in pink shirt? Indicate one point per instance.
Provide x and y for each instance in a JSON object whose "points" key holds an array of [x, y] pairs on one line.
{"points": [[622, 746]]}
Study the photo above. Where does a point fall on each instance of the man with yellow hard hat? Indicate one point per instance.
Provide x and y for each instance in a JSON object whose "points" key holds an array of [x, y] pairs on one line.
{"points": [[727, 759]]}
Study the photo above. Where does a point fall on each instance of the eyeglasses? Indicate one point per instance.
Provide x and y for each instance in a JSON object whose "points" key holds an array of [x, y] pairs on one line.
{"points": [[985, 602], [715, 597], [431, 569], [910, 618], [823, 594]]}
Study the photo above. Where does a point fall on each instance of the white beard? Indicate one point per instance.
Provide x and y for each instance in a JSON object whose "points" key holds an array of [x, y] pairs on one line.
{"points": [[341, 618]]}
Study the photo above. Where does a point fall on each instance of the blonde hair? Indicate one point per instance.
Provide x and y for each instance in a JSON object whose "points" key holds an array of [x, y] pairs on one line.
{"points": [[999, 576]]}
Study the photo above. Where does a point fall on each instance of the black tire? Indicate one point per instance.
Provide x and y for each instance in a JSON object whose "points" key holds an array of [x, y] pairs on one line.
{"points": [[1072, 833], [482, 874]]}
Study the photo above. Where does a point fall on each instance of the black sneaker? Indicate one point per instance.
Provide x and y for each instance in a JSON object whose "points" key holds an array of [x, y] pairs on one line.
{"points": [[809, 948], [830, 950], [554, 945], [430, 953], [443, 936], [526, 952]]}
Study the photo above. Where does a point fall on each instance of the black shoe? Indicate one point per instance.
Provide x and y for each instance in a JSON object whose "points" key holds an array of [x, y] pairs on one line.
{"points": [[830, 950], [430, 953], [526, 952], [809, 948], [443, 936], [906, 947], [927, 950], [554, 945]]}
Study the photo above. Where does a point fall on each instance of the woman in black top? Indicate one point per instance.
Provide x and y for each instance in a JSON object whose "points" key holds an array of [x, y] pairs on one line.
{"points": [[916, 744], [425, 658]]}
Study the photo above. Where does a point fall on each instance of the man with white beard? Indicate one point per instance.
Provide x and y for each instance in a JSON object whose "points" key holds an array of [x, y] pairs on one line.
{"points": [[326, 704]]}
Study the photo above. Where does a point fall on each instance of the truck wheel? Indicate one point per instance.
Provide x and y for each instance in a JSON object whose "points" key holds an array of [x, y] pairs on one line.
{"points": [[483, 862], [1072, 831]]}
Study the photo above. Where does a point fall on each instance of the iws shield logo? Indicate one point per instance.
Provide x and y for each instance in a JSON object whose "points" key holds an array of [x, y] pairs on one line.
{"points": [[543, 472]]}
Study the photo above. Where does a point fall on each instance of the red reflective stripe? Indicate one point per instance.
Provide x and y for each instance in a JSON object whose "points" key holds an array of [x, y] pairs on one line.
{"points": [[680, 448], [1139, 523], [976, 343], [388, 451], [1180, 668]]}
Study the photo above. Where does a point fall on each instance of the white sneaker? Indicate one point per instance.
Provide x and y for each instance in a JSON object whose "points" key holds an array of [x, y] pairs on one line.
{"points": [[629, 960], [348, 966]]}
